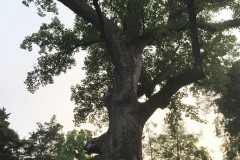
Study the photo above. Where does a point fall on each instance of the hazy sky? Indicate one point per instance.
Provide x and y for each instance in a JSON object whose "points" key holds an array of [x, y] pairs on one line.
{"points": [[18, 21]]}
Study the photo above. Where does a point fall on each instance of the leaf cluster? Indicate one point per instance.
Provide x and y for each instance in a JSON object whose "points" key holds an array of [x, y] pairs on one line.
{"points": [[42, 6], [51, 37]]}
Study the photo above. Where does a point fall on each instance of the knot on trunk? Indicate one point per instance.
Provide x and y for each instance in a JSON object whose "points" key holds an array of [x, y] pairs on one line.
{"points": [[96, 145]]}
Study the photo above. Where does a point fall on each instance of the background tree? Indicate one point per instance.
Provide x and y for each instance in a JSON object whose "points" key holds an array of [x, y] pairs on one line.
{"points": [[178, 145], [73, 147], [10, 144], [136, 48], [229, 102], [46, 143], [231, 147], [175, 142], [229, 107]]}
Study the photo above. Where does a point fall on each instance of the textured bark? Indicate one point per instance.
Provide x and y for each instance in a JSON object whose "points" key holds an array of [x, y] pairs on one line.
{"points": [[123, 138]]}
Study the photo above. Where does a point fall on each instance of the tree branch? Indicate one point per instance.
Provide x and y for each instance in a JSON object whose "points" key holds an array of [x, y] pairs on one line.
{"points": [[162, 98], [194, 35], [100, 15], [214, 27], [87, 43], [83, 10], [149, 37]]}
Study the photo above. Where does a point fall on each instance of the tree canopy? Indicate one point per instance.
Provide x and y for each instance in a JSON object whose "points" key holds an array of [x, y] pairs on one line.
{"points": [[136, 49], [168, 54]]}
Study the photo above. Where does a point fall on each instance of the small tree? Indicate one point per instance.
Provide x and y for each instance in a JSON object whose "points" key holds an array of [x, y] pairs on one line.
{"points": [[10, 144], [175, 145], [46, 143], [73, 147]]}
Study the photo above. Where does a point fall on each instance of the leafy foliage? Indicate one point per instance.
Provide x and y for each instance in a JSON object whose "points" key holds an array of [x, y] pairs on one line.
{"points": [[51, 37], [174, 144], [10, 144], [228, 106], [42, 6], [231, 147], [46, 143], [74, 143], [229, 102], [99, 79]]}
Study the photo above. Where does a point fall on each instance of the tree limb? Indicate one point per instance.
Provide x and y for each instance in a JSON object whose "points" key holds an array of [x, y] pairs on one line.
{"points": [[214, 27], [87, 43], [100, 15], [151, 36], [83, 10], [162, 98], [194, 35]]}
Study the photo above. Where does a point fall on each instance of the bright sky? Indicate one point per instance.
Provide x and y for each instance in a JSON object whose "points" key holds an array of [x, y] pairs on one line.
{"points": [[18, 21]]}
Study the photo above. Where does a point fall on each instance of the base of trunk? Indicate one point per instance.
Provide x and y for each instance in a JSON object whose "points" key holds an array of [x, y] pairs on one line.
{"points": [[122, 141]]}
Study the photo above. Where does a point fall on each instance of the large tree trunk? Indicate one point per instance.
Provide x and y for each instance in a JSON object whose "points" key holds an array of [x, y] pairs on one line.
{"points": [[125, 134], [123, 140]]}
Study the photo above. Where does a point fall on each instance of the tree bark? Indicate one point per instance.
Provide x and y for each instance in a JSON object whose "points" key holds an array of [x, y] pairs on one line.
{"points": [[123, 140]]}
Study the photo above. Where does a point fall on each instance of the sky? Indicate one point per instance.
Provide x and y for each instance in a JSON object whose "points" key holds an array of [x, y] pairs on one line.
{"points": [[17, 22]]}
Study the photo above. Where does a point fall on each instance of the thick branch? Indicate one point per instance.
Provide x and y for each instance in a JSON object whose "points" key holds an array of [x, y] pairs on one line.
{"points": [[100, 15], [87, 43], [148, 38], [214, 27], [194, 34], [132, 21], [147, 87], [162, 98], [83, 10]]}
